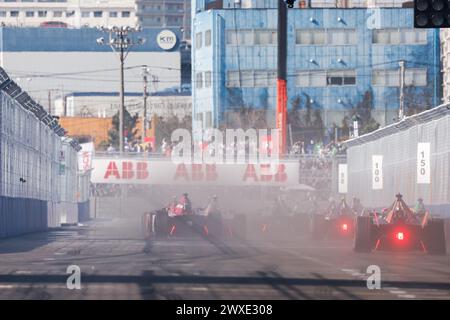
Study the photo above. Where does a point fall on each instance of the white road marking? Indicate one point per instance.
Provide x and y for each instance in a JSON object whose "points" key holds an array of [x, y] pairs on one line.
{"points": [[397, 292], [23, 272], [6, 286], [407, 296], [198, 289]]}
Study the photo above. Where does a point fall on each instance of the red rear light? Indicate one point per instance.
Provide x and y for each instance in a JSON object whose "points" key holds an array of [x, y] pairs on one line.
{"points": [[344, 227], [400, 236]]}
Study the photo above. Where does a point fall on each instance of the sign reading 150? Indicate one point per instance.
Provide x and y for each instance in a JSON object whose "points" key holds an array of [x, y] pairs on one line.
{"points": [[423, 163]]}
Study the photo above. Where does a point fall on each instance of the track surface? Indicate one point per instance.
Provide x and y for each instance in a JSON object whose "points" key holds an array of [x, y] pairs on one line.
{"points": [[116, 263]]}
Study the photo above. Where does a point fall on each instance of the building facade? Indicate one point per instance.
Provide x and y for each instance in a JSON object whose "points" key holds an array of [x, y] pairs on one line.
{"points": [[165, 13], [106, 104], [338, 59], [51, 62], [74, 13]]}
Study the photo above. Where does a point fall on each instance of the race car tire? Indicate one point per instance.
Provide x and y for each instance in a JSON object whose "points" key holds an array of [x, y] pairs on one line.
{"points": [[146, 224], [160, 224], [318, 227], [434, 237], [363, 241]]}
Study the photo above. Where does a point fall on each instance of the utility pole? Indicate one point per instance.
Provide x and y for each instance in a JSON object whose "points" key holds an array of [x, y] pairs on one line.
{"points": [[401, 110], [145, 74], [281, 116], [121, 43], [49, 101]]}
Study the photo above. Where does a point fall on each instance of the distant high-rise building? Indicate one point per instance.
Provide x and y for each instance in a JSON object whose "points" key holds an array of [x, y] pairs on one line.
{"points": [[70, 13], [165, 13]]}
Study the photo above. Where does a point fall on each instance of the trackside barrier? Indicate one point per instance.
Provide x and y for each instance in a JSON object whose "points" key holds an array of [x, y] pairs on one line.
{"points": [[38, 165], [411, 157]]}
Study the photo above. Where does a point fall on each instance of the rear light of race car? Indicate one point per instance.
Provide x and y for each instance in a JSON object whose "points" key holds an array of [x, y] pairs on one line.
{"points": [[344, 227], [400, 235]]}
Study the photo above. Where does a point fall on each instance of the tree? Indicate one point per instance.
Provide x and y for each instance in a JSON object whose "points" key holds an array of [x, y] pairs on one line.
{"points": [[129, 131], [165, 127], [305, 121], [363, 110]]}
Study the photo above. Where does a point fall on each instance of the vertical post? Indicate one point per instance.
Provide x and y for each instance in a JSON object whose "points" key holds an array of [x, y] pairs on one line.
{"points": [[49, 101], [401, 110], [122, 95], [281, 75], [144, 120]]}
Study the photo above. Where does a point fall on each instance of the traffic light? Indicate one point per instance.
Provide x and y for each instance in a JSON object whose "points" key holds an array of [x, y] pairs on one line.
{"points": [[290, 3], [432, 13]]}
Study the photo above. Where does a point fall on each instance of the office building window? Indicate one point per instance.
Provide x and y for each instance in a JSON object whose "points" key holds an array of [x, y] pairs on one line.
{"points": [[42, 14], [391, 77], [2, 14], [98, 14], [199, 80], [207, 79], [198, 40], [113, 14], [126, 14], [399, 36], [14, 14], [240, 37], [29, 14], [233, 79], [199, 117], [207, 38], [251, 78], [57, 14], [341, 37], [208, 119], [310, 37], [341, 77], [70, 13], [265, 37], [326, 37], [311, 79], [322, 78], [85, 14]]}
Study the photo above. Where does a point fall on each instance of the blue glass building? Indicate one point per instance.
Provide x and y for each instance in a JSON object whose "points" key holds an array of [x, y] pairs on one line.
{"points": [[336, 59]]}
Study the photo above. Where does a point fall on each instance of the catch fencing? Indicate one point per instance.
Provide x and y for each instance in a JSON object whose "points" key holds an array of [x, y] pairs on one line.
{"points": [[411, 157], [38, 165]]}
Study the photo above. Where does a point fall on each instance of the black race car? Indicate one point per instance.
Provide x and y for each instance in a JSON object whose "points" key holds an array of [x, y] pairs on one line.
{"points": [[335, 223], [176, 221], [400, 229]]}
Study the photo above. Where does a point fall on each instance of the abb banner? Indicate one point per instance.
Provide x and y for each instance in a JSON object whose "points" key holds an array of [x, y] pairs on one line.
{"points": [[85, 156], [166, 172]]}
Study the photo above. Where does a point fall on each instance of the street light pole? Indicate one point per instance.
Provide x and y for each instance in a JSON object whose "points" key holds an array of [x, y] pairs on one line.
{"points": [[122, 99], [121, 43], [145, 95]]}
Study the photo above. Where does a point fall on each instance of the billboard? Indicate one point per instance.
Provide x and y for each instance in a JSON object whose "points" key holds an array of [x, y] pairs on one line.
{"points": [[163, 172]]}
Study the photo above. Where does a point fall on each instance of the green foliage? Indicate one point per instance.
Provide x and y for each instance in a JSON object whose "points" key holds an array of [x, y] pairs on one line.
{"points": [[129, 128]]}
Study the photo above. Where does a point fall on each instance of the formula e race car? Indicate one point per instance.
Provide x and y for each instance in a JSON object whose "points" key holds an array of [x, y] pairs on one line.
{"points": [[400, 229], [335, 223], [180, 221]]}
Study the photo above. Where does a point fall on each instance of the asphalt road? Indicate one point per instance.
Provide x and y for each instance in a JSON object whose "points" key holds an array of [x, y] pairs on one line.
{"points": [[116, 263]]}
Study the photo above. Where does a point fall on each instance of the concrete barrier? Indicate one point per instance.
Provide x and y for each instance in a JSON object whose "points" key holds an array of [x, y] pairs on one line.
{"points": [[84, 212], [21, 215]]}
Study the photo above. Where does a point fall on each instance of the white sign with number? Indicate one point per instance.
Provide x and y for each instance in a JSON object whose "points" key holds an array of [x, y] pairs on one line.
{"points": [[377, 172], [423, 163], [342, 171]]}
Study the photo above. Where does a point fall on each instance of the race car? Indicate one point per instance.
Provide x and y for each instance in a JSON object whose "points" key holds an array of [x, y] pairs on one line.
{"points": [[336, 223], [180, 220], [400, 229]]}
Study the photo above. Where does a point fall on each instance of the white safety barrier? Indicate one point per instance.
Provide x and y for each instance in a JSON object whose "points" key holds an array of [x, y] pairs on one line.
{"points": [[38, 165]]}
